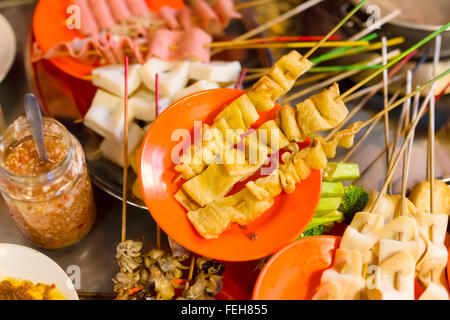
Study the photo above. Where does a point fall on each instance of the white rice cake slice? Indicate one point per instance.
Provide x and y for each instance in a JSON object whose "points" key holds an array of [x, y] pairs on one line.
{"points": [[217, 71], [113, 151], [196, 87], [111, 78], [105, 116], [172, 77], [143, 105]]}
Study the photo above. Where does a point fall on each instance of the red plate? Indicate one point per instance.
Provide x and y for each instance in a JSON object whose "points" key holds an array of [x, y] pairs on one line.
{"points": [[274, 229], [49, 29]]}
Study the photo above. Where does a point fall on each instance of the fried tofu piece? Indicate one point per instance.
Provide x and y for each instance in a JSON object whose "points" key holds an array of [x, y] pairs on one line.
{"points": [[270, 134], [243, 207], [187, 202], [395, 279], [288, 69], [288, 123], [321, 112], [420, 196], [265, 93], [343, 281], [213, 183], [247, 112], [333, 111]]}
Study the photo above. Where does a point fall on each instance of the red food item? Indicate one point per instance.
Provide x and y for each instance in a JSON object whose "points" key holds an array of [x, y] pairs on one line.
{"points": [[137, 7], [169, 15], [88, 24], [205, 13], [185, 18], [225, 10], [174, 45], [101, 12], [119, 9]]}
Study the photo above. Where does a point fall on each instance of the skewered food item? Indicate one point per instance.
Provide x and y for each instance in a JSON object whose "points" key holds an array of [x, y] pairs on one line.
{"points": [[106, 116], [343, 281], [319, 113], [196, 87], [110, 78], [113, 151], [431, 267], [216, 71], [420, 196], [143, 105], [218, 179], [157, 274], [247, 205]]}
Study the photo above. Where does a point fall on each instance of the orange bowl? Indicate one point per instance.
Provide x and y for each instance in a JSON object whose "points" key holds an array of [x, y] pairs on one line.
{"points": [[281, 224], [294, 272]]}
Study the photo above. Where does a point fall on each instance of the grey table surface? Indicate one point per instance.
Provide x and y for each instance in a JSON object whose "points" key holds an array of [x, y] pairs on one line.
{"points": [[94, 255]]}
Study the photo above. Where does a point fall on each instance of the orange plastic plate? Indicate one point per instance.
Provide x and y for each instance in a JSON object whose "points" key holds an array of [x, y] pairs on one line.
{"points": [[274, 229], [49, 28], [294, 272]]}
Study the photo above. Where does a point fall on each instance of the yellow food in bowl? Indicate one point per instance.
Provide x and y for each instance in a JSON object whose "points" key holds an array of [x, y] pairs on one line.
{"points": [[12, 289]]}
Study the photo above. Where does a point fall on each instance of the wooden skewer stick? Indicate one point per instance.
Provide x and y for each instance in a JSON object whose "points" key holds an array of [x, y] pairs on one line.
{"points": [[158, 228], [431, 127], [408, 151], [249, 4], [300, 8], [408, 136], [292, 45], [336, 78], [400, 101], [125, 157], [372, 27], [385, 105], [394, 61], [336, 28], [368, 132], [191, 271]]}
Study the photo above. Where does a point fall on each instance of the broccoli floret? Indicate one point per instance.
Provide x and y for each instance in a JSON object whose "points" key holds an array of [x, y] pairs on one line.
{"points": [[354, 200], [316, 231]]}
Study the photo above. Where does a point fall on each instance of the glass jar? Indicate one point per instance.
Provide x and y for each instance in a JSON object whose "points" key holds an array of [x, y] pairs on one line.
{"points": [[51, 201]]}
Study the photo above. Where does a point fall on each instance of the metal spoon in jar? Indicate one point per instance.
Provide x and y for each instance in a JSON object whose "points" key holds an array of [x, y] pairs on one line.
{"points": [[33, 112]]}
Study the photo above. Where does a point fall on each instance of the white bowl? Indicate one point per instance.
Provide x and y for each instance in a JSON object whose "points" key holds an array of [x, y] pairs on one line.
{"points": [[22, 263], [7, 47]]}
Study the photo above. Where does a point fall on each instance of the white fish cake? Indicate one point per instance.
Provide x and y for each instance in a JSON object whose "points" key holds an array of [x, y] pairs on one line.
{"points": [[196, 87], [217, 71], [111, 79], [113, 151], [172, 77], [105, 116], [143, 105]]}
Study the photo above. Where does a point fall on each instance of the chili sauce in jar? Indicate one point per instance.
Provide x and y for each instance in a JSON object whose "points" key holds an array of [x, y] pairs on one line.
{"points": [[51, 201]]}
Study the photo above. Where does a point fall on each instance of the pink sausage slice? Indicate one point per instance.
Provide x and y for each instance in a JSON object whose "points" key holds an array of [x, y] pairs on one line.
{"points": [[101, 12], [119, 9], [88, 24], [137, 7]]}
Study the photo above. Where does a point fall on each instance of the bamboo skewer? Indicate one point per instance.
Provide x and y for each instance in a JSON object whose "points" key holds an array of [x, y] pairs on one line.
{"points": [[370, 165], [230, 45], [395, 60], [125, 157], [431, 127], [300, 8], [408, 151], [409, 135], [385, 105], [336, 28], [368, 132], [249, 4]]}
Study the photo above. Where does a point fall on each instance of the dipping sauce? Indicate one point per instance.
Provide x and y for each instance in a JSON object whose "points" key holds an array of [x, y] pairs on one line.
{"points": [[23, 160], [12, 289], [51, 201]]}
